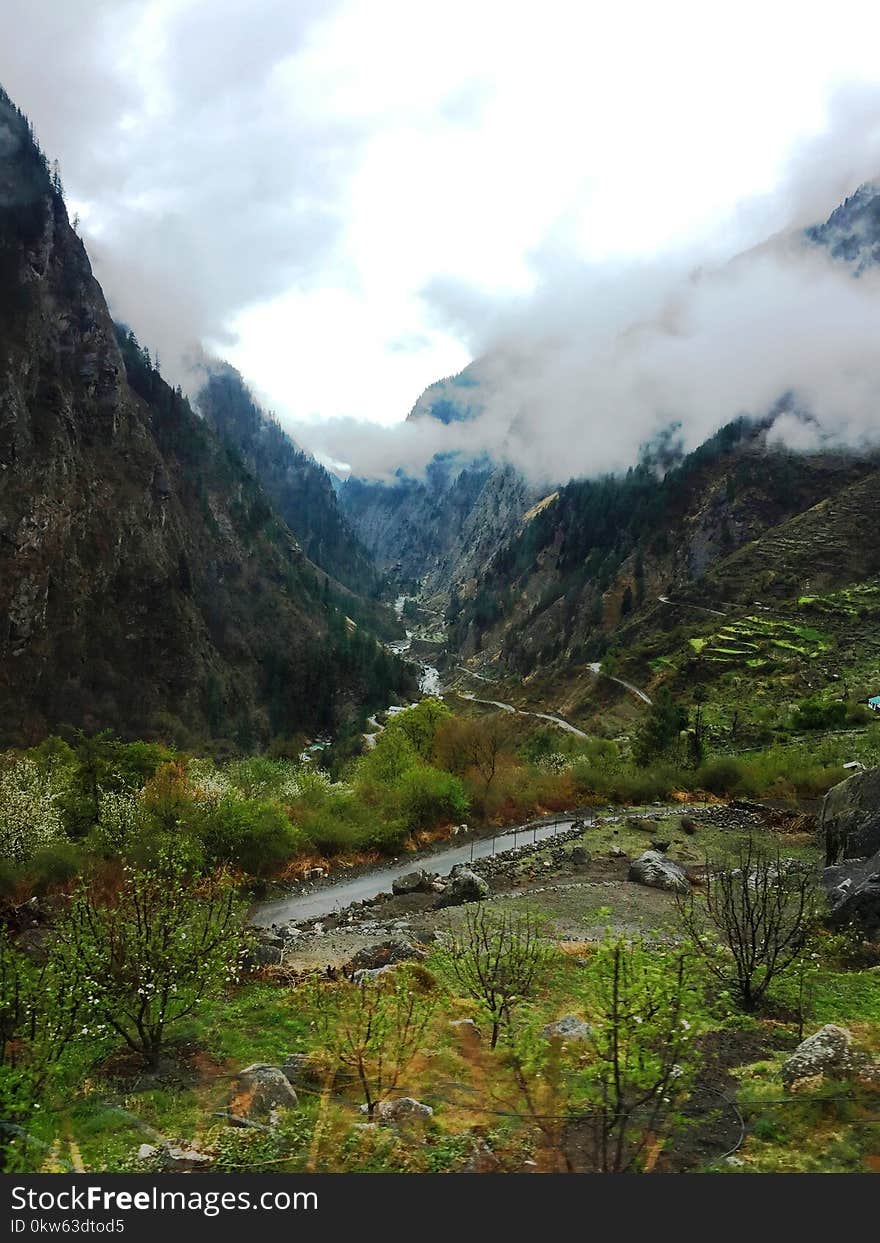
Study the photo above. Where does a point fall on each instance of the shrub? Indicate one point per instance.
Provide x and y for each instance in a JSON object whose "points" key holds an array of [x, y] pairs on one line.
{"points": [[429, 796], [256, 837], [722, 776]]}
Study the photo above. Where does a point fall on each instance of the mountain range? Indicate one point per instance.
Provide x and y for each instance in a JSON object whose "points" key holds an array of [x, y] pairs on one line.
{"points": [[182, 569]]}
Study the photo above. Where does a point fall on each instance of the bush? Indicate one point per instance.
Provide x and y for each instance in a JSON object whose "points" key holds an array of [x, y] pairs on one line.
{"points": [[53, 866], [722, 776], [814, 714], [429, 796], [256, 837]]}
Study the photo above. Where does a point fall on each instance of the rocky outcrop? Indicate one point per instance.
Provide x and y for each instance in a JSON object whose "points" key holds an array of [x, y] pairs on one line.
{"points": [[658, 872], [442, 528], [850, 818], [853, 892]]}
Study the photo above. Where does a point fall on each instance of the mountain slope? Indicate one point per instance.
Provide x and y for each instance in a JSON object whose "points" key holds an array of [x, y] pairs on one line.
{"points": [[299, 488], [146, 583]]}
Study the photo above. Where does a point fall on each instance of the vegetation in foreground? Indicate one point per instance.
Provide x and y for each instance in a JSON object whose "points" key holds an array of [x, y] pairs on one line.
{"points": [[129, 1000]]}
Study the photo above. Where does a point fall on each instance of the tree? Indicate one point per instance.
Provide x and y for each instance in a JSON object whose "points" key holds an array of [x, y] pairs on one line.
{"points": [[637, 1063], [419, 724], [151, 953], [497, 959], [39, 1007], [661, 730], [376, 1028], [761, 908]]}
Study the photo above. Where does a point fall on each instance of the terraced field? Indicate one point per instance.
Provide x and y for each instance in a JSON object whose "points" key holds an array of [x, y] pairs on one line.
{"points": [[761, 643]]}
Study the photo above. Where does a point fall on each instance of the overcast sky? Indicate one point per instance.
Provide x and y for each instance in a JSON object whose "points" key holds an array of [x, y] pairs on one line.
{"points": [[343, 196]]}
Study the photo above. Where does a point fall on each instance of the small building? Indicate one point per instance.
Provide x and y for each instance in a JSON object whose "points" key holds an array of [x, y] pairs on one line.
{"points": [[874, 703]]}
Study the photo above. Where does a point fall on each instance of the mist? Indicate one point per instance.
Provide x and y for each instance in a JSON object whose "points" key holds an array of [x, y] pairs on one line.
{"points": [[581, 377]]}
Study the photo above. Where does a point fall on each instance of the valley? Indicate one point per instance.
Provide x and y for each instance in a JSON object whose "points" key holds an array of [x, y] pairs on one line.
{"points": [[452, 817]]}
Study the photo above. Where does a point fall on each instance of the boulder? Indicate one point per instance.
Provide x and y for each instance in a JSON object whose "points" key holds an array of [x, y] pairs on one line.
{"points": [[259, 1091], [569, 1029], [385, 954], [850, 818], [829, 1051], [658, 872], [579, 856], [402, 1111], [464, 886], [853, 892], [412, 882]]}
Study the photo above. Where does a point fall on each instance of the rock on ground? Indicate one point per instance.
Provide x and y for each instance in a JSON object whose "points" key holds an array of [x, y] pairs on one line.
{"points": [[404, 1109], [259, 1091], [177, 1158], [829, 1051], [658, 872], [568, 1028], [386, 953], [464, 886], [413, 882]]}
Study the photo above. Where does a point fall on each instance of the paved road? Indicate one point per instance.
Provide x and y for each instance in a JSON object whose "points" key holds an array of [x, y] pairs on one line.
{"points": [[329, 898]]}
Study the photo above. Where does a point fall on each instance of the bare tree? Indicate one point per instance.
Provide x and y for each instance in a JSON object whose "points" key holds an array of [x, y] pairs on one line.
{"points": [[376, 1028], [761, 908], [497, 959]]}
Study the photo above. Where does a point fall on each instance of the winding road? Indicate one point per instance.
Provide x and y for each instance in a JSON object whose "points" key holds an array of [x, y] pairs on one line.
{"points": [[596, 668]]}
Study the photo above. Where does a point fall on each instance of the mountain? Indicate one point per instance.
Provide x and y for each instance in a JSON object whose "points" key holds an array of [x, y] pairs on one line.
{"points": [[301, 490], [455, 399], [745, 569], [851, 234], [147, 583], [440, 528]]}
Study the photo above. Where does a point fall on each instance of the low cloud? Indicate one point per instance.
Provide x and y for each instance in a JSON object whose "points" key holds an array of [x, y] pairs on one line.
{"points": [[578, 379]]}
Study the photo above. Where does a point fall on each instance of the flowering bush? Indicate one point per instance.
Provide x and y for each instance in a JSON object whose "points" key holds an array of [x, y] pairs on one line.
{"points": [[147, 958], [30, 812]]}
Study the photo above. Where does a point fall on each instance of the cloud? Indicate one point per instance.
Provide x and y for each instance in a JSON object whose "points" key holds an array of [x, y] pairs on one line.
{"points": [[577, 379], [278, 181], [205, 182], [599, 359]]}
